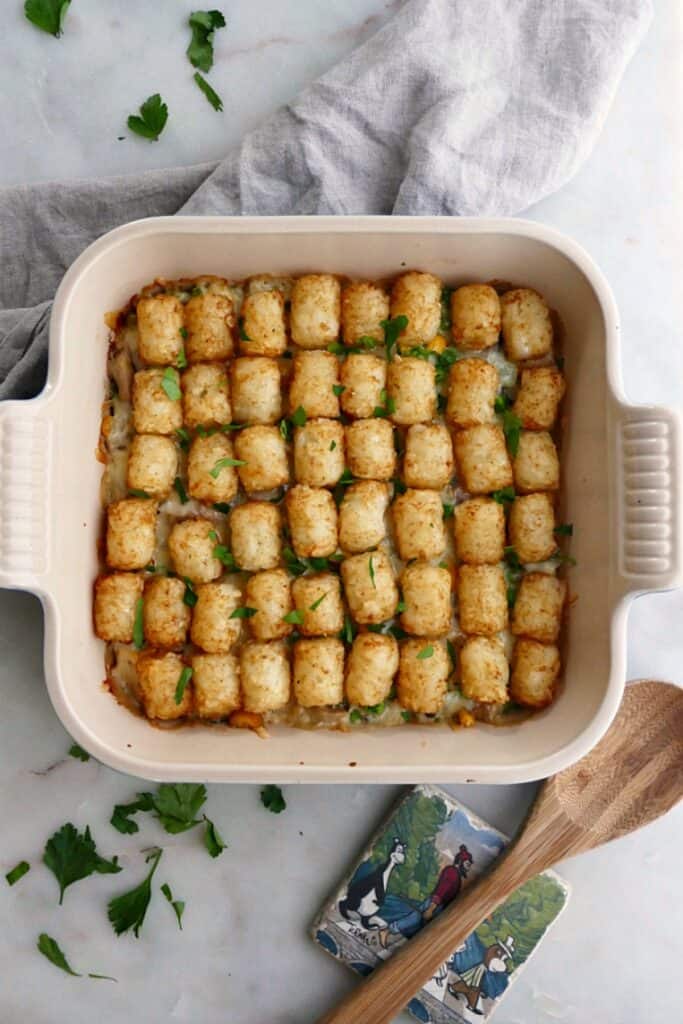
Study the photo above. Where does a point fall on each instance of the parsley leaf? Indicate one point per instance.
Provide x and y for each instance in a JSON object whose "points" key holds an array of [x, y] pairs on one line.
{"points": [[180, 491], [392, 329], [47, 15], [169, 383], [152, 120], [507, 494], [203, 25], [316, 604], [177, 803], [451, 653], [406, 716], [183, 680], [213, 840], [128, 910], [78, 752], [183, 436], [50, 949], [295, 617], [138, 628], [444, 361], [243, 613], [513, 574], [72, 856], [272, 799], [17, 872], [217, 104], [223, 464], [371, 570], [387, 407], [285, 430], [181, 360], [355, 716], [224, 555], [299, 416], [512, 424], [338, 389], [333, 445], [348, 630], [178, 905], [426, 652], [190, 595], [448, 510], [121, 815]]}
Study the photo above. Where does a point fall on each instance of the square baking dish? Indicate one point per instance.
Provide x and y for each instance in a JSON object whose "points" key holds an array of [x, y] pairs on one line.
{"points": [[622, 491]]}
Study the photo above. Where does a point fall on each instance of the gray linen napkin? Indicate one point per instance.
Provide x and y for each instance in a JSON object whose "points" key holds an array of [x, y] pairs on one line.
{"points": [[454, 107]]}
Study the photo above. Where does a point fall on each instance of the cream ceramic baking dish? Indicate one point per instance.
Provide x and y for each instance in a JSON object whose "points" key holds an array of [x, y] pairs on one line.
{"points": [[622, 467]]}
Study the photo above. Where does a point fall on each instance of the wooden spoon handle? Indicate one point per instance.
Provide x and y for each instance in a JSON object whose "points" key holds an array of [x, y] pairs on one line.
{"points": [[392, 984]]}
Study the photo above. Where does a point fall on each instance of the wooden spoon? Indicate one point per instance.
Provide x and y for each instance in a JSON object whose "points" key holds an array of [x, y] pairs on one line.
{"points": [[634, 775]]}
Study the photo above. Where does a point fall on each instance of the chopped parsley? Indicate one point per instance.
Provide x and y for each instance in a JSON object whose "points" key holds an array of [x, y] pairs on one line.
{"points": [[513, 574], [337, 349], [294, 618], [406, 716], [355, 716], [376, 709], [178, 905], [181, 361], [240, 326], [285, 430], [213, 840], [223, 464], [512, 425], [299, 416], [17, 872], [222, 506], [203, 25], [448, 510], [243, 613], [348, 630], [343, 482], [224, 555], [71, 856], [217, 104], [426, 652], [316, 604], [399, 486], [128, 910], [504, 496], [122, 813], [387, 407], [177, 804], [190, 595], [371, 570], [183, 680], [169, 383], [272, 799], [180, 491], [49, 947], [183, 436], [333, 445], [451, 653], [151, 121], [138, 625], [136, 492], [400, 607], [444, 361], [445, 324], [47, 15], [392, 330], [78, 752], [338, 389]]}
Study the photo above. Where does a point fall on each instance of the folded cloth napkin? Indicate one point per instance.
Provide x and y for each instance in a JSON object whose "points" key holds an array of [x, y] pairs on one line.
{"points": [[454, 107]]}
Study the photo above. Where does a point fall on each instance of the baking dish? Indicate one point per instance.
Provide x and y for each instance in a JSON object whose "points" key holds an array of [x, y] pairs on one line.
{"points": [[622, 468]]}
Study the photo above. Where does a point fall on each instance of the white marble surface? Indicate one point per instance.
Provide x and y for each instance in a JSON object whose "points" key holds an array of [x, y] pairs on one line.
{"points": [[244, 955]]}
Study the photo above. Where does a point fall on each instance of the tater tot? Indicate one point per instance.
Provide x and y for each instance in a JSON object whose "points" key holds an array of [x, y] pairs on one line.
{"points": [[319, 453], [526, 324], [116, 601], [265, 676], [206, 396], [537, 612], [482, 459], [370, 669], [531, 527], [212, 628], [216, 682], [417, 296], [472, 388], [191, 544], [428, 457], [411, 386], [263, 451], [166, 618], [479, 531], [484, 670], [131, 533], [482, 599], [535, 669], [158, 677], [370, 451], [538, 398], [270, 594], [160, 322], [318, 672], [317, 599], [256, 535], [262, 330], [255, 390], [153, 411], [209, 320], [475, 317], [211, 473], [536, 465], [422, 675], [370, 587], [364, 306], [312, 517], [314, 385], [363, 377], [419, 525], [315, 312], [362, 523], [152, 465], [426, 593]]}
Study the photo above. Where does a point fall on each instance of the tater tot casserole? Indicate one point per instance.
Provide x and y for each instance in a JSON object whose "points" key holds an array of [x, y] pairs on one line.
{"points": [[332, 503]]}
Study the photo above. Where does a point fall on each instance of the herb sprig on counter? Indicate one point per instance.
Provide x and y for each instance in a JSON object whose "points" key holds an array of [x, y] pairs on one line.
{"points": [[150, 123], [47, 15], [203, 25]]}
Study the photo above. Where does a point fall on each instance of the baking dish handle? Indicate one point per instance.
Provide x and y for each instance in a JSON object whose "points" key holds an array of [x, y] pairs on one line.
{"points": [[25, 444], [649, 528]]}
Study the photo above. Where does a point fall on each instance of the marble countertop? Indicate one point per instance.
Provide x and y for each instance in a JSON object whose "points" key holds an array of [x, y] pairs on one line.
{"points": [[244, 955]]}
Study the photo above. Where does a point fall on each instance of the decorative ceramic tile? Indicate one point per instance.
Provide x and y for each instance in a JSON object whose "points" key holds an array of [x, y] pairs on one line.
{"points": [[429, 849]]}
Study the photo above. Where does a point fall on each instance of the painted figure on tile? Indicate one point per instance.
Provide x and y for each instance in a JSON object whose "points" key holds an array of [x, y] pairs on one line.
{"points": [[367, 889], [480, 971]]}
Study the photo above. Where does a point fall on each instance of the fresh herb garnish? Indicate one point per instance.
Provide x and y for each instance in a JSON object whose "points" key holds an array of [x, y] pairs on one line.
{"points": [[213, 840], [512, 558], [419, 352], [203, 25], [47, 15], [242, 333], [399, 486], [564, 530], [71, 856], [17, 872], [183, 680], [243, 613], [138, 625], [512, 424], [451, 653], [513, 574], [426, 652], [272, 799], [178, 905], [49, 947], [392, 330], [355, 716], [183, 436], [448, 510], [128, 910], [444, 361], [387, 407], [504, 496], [169, 383], [152, 120], [285, 430], [136, 492], [376, 709], [348, 630], [180, 491], [333, 445], [337, 349], [295, 618], [224, 555], [400, 607], [223, 464], [78, 752], [316, 604], [406, 716], [177, 804], [371, 570], [222, 506], [299, 416], [338, 389], [121, 815], [342, 483], [217, 104], [445, 323], [181, 359]]}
